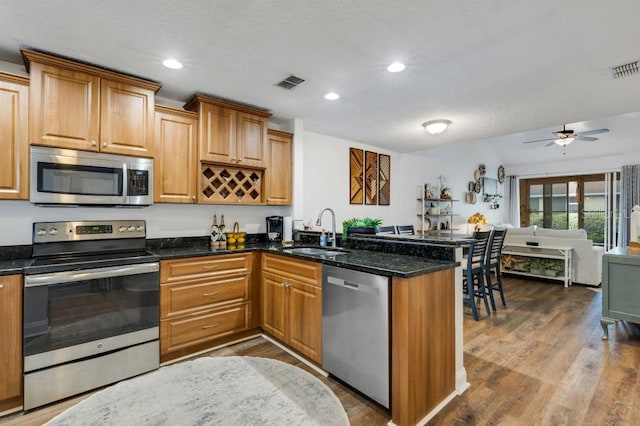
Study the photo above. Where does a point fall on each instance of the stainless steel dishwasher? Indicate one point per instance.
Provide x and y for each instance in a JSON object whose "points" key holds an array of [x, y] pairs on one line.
{"points": [[355, 330]]}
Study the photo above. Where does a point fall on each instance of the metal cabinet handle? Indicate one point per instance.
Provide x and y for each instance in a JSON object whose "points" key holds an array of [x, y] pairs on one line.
{"points": [[94, 143], [213, 293], [104, 144], [234, 160], [240, 160], [193, 197], [1, 286], [210, 326]]}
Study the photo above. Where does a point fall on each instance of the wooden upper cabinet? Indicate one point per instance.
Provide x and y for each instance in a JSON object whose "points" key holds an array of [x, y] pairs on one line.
{"points": [[78, 106], [14, 145], [278, 175], [174, 153], [126, 119], [230, 133]]}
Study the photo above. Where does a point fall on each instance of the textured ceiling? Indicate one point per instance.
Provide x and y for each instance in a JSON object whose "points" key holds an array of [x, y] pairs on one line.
{"points": [[493, 67]]}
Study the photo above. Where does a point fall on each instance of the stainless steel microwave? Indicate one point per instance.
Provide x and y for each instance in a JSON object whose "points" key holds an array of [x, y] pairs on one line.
{"points": [[65, 176]]}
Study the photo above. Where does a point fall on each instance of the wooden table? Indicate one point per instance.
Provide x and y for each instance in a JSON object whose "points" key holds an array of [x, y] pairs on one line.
{"points": [[542, 251]]}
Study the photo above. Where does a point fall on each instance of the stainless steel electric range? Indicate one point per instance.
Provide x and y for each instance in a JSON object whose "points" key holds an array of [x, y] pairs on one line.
{"points": [[91, 308]]}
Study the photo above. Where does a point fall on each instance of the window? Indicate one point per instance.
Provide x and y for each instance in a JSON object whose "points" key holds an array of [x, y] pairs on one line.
{"points": [[570, 202]]}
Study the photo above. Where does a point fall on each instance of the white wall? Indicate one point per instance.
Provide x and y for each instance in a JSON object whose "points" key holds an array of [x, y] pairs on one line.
{"points": [[326, 183], [163, 220], [581, 166]]}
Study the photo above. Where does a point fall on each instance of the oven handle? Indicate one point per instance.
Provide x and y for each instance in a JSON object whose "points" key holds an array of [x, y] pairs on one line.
{"points": [[89, 274]]}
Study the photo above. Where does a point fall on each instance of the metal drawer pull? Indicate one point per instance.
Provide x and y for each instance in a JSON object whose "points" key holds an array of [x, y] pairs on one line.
{"points": [[1, 285], [210, 326], [213, 293]]}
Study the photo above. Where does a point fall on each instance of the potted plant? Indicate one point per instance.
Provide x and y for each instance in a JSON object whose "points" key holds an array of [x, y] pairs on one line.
{"points": [[553, 268], [536, 266], [356, 225]]}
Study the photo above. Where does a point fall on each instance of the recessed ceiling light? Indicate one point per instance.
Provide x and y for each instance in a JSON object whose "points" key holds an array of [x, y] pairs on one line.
{"points": [[435, 127], [174, 64], [332, 96], [396, 67]]}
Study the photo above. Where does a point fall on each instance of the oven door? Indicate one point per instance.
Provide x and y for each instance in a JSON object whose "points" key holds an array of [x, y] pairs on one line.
{"points": [[82, 313]]}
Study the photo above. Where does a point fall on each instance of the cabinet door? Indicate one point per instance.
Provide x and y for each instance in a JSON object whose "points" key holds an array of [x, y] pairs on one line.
{"points": [[64, 108], [305, 319], [274, 306], [250, 140], [175, 162], [217, 133], [126, 119], [14, 145], [11, 337], [278, 176]]}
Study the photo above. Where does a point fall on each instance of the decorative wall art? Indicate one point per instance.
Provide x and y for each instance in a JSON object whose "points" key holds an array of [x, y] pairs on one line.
{"points": [[356, 171], [384, 192], [370, 177]]}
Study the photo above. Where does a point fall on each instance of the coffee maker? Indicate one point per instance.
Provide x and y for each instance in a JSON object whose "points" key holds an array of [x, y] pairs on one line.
{"points": [[274, 228]]}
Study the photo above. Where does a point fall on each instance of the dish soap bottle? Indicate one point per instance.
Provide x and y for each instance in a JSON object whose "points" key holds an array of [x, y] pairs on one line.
{"points": [[323, 238]]}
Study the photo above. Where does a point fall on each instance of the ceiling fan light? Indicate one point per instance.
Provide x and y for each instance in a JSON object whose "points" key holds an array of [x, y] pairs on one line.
{"points": [[564, 141], [435, 127]]}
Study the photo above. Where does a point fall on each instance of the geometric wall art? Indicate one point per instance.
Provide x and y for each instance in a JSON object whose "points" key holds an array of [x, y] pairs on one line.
{"points": [[371, 177], [356, 173], [384, 180]]}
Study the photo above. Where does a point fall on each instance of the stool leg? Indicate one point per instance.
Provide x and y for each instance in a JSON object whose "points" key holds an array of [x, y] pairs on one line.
{"points": [[489, 288], [472, 297], [483, 293], [499, 282]]}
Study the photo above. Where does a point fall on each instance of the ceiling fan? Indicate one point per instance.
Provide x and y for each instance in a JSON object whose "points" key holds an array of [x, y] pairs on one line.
{"points": [[565, 136]]}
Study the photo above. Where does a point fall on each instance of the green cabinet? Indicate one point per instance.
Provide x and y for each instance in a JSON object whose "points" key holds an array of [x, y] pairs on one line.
{"points": [[620, 288]]}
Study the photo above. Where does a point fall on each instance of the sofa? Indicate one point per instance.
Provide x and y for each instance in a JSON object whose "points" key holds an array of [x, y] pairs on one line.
{"points": [[587, 258]]}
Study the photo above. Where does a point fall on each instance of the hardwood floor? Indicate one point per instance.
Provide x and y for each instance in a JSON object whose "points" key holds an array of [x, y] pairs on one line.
{"points": [[541, 361]]}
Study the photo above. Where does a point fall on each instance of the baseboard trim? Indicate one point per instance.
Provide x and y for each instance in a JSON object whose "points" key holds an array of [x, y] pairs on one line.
{"points": [[297, 356], [433, 412], [213, 348]]}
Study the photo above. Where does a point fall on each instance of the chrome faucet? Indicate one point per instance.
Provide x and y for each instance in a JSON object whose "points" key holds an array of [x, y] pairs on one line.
{"points": [[332, 238]]}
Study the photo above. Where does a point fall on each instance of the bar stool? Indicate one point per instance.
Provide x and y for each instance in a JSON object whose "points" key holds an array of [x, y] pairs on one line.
{"points": [[492, 262], [473, 280]]}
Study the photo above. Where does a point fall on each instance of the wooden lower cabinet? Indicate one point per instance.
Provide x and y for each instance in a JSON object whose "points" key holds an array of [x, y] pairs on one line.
{"points": [[205, 300], [10, 341], [292, 303]]}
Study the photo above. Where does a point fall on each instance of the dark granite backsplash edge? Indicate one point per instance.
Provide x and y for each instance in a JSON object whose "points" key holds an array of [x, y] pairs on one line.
{"points": [[15, 252], [409, 248], [194, 242]]}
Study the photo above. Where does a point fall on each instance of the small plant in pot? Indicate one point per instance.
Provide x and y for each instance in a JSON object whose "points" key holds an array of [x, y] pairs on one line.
{"points": [[554, 268], [356, 225], [536, 266]]}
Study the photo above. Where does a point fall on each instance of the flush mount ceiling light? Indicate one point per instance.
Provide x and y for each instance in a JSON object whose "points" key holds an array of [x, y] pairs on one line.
{"points": [[435, 127], [174, 64], [332, 96], [564, 141], [396, 67]]}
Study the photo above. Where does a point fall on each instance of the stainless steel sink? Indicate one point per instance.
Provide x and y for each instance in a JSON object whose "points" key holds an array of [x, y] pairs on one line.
{"points": [[314, 251]]}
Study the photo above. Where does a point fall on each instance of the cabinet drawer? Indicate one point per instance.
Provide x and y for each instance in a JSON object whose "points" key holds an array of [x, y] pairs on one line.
{"points": [[201, 267], [188, 330], [177, 299], [302, 270]]}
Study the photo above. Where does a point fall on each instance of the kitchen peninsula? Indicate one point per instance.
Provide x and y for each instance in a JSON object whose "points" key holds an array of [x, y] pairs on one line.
{"points": [[423, 309]]}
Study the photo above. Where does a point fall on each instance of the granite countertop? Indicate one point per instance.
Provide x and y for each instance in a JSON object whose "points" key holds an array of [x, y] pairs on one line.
{"points": [[387, 264], [15, 266], [376, 262]]}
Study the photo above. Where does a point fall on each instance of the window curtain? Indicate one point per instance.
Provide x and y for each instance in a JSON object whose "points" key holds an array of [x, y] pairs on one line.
{"points": [[629, 197], [513, 201]]}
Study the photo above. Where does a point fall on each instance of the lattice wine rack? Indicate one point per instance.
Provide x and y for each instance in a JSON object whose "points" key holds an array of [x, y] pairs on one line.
{"points": [[229, 185]]}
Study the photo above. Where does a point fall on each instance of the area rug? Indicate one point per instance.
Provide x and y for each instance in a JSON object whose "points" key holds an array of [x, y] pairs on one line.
{"points": [[213, 391]]}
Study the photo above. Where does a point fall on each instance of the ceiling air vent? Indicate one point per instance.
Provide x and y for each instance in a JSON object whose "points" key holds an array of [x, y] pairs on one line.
{"points": [[625, 70], [291, 82]]}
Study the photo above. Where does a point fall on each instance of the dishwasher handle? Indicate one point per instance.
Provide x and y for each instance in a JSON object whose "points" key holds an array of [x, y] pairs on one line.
{"points": [[352, 285]]}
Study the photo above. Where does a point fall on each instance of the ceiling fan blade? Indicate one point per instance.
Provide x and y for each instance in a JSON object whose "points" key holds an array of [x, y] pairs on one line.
{"points": [[550, 143], [593, 132], [540, 140], [585, 138]]}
